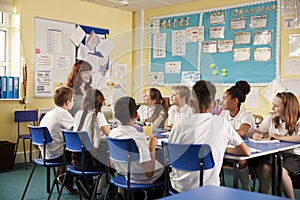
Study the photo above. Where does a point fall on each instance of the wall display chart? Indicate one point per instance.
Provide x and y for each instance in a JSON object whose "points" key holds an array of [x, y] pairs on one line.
{"points": [[225, 45], [57, 46]]}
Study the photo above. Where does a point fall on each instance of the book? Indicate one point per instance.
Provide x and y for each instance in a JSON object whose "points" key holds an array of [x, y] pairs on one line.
{"points": [[265, 140]]}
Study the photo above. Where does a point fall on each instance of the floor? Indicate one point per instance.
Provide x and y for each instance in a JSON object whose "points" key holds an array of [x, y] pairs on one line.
{"points": [[12, 183]]}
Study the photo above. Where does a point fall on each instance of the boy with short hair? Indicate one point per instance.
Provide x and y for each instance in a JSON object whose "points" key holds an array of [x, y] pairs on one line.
{"points": [[147, 169], [55, 120]]}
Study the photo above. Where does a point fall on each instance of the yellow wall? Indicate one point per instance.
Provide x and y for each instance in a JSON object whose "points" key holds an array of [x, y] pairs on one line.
{"points": [[74, 11], [120, 23], [264, 106]]}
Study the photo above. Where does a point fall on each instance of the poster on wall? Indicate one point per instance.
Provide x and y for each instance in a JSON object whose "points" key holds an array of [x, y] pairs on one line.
{"points": [[43, 86]]}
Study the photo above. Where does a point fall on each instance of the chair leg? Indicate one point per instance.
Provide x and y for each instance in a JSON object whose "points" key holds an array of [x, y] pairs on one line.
{"points": [[78, 186], [16, 149], [111, 191], [53, 183], [29, 179], [95, 188], [62, 185], [56, 175], [24, 149]]}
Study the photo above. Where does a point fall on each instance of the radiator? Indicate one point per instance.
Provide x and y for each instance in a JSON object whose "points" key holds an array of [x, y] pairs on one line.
{"points": [[42, 112]]}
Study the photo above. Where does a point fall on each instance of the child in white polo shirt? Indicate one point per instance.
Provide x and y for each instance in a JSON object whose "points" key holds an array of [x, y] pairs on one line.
{"points": [[240, 119], [180, 108], [204, 128]]}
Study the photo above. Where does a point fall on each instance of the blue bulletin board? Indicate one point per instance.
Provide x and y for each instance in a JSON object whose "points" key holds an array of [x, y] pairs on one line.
{"points": [[238, 43]]}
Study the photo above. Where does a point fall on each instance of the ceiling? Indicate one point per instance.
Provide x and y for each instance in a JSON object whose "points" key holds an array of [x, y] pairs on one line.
{"points": [[137, 5]]}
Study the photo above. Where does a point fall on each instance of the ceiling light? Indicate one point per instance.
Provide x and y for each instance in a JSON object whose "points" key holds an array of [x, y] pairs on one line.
{"points": [[121, 2]]}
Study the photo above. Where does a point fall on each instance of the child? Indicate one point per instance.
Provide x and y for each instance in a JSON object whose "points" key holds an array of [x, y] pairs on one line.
{"points": [[147, 169], [282, 124], [240, 119], [91, 119], [204, 128], [155, 109], [180, 109], [55, 120]]}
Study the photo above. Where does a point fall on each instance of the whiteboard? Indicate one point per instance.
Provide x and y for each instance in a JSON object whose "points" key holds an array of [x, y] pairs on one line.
{"points": [[44, 30]]}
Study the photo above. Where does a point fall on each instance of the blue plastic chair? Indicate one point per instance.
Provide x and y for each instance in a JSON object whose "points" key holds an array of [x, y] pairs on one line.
{"points": [[41, 136], [79, 142], [188, 157], [125, 150], [24, 116]]}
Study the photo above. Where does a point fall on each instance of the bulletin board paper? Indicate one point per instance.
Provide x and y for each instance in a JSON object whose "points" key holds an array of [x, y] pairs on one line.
{"points": [[58, 45], [175, 48], [54, 51], [230, 63], [240, 63]]}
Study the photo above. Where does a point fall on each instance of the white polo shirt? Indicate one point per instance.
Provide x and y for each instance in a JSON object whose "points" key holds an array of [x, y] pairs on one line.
{"points": [[243, 117], [87, 126], [175, 115], [267, 126], [141, 141], [145, 112], [203, 128], [56, 119]]}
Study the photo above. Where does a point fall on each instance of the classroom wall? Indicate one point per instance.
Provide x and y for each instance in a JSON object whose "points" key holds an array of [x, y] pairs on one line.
{"points": [[264, 106], [74, 11], [121, 25]]}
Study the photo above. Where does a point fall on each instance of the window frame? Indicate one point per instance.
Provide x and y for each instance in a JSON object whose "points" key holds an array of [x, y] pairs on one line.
{"points": [[5, 27]]}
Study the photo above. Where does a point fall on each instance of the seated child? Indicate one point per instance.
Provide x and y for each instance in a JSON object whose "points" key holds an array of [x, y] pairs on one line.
{"points": [[204, 128], [154, 110], [147, 169], [180, 109]]}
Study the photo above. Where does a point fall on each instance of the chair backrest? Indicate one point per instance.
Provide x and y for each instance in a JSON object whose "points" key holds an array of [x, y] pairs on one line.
{"points": [[123, 150], [77, 141], [189, 157], [26, 116], [40, 135]]}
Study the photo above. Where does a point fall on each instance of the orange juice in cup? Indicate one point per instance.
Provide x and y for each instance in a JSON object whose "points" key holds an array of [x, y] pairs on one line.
{"points": [[148, 130]]}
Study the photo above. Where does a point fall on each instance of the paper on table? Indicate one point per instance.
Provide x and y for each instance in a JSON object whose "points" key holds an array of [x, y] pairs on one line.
{"points": [[265, 140], [160, 140], [253, 150]]}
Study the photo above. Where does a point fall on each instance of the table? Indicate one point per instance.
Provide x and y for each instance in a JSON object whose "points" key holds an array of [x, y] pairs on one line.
{"points": [[217, 192], [272, 149]]}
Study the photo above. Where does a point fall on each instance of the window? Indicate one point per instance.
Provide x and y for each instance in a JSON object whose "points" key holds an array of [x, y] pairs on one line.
{"points": [[9, 44], [3, 43]]}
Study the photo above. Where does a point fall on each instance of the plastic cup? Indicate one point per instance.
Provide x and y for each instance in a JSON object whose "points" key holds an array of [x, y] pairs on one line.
{"points": [[148, 130]]}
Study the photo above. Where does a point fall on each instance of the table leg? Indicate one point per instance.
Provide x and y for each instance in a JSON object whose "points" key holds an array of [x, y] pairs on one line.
{"points": [[48, 180], [235, 174], [279, 174], [274, 173]]}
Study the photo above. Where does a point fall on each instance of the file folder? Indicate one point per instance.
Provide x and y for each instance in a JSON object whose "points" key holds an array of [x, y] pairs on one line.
{"points": [[16, 88], [9, 86], [3, 87]]}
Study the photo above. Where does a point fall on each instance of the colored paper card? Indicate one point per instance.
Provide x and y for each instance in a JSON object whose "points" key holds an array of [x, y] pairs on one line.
{"points": [[215, 72]]}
